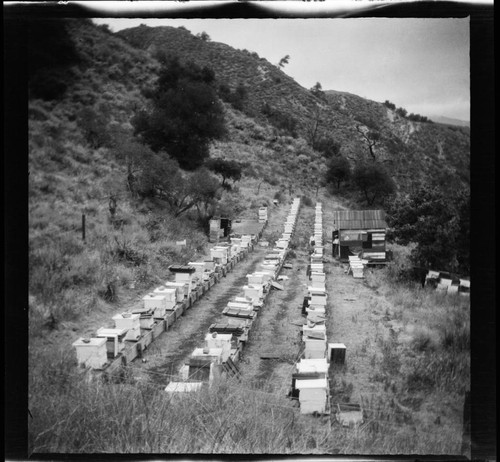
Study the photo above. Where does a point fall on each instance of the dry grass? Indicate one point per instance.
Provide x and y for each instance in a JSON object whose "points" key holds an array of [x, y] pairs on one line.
{"points": [[132, 417]]}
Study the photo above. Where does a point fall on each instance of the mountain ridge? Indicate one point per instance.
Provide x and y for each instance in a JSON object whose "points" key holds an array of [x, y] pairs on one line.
{"points": [[339, 115]]}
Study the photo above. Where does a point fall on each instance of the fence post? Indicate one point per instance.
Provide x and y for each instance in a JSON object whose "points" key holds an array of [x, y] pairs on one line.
{"points": [[83, 227]]}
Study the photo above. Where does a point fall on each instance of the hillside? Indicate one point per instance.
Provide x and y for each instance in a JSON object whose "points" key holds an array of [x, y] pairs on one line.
{"points": [[415, 151], [83, 97]]}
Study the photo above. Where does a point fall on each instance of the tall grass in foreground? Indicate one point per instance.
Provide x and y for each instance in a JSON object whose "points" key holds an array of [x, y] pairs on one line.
{"points": [[140, 418], [426, 360]]}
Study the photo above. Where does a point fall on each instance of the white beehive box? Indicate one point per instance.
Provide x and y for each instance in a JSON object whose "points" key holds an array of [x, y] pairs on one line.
{"points": [[131, 322], [146, 320], [282, 244], [209, 265], [183, 387], [313, 395], [222, 341], [314, 348], [316, 309], [182, 290], [316, 276], [317, 332], [209, 356], [256, 278], [219, 255], [157, 303], [246, 239], [115, 339], [91, 352], [170, 295], [199, 267], [313, 366], [318, 299], [186, 278], [253, 292], [318, 285], [246, 305], [242, 300]]}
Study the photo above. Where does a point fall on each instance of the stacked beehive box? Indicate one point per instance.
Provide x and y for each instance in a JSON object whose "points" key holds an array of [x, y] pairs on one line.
{"points": [[262, 214], [91, 352], [356, 267], [131, 322]]}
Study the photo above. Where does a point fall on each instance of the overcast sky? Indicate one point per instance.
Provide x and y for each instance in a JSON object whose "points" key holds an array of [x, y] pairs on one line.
{"points": [[419, 64]]}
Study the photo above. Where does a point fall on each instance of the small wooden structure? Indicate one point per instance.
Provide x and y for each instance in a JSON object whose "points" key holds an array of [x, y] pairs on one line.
{"points": [[360, 233], [336, 353], [219, 228]]}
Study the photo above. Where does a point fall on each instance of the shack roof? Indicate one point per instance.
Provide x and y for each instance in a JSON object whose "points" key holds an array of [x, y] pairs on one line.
{"points": [[359, 219]]}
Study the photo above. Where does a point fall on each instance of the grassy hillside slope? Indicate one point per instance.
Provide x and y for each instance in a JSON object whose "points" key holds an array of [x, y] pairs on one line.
{"points": [[75, 169]]}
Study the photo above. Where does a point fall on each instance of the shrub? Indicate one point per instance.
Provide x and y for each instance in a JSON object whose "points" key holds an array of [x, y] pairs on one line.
{"points": [[374, 182], [307, 201]]}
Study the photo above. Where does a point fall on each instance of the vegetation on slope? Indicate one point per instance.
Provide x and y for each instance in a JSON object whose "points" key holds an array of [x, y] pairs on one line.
{"points": [[85, 159]]}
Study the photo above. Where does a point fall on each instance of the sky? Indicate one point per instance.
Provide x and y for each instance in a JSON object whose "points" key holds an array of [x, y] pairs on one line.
{"points": [[419, 64]]}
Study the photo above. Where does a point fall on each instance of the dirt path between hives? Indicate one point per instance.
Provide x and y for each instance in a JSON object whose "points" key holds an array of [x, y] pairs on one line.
{"points": [[274, 345]]}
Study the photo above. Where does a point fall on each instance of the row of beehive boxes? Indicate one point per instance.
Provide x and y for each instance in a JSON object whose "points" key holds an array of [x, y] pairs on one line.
{"points": [[309, 382], [445, 283], [110, 342], [223, 339]]}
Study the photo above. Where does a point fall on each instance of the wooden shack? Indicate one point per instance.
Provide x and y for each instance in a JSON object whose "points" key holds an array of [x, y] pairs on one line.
{"points": [[360, 233]]}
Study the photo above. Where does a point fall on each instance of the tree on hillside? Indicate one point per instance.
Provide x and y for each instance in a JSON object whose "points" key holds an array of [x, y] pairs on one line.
{"points": [[390, 105], [161, 177], [205, 192], [131, 153], [203, 36], [317, 90], [185, 113], [284, 61], [371, 139], [338, 170], [313, 126], [439, 224], [228, 169], [374, 182]]}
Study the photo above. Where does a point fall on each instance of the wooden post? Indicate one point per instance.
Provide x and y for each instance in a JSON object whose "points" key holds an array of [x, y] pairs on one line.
{"points": [[83, 227]]}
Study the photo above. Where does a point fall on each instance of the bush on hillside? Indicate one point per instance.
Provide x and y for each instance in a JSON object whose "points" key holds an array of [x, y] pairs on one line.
{"points": [[374, 182], [328, 147], [186, 113], [236, 98], [280, 120], [338, 170], [439, 224]]}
